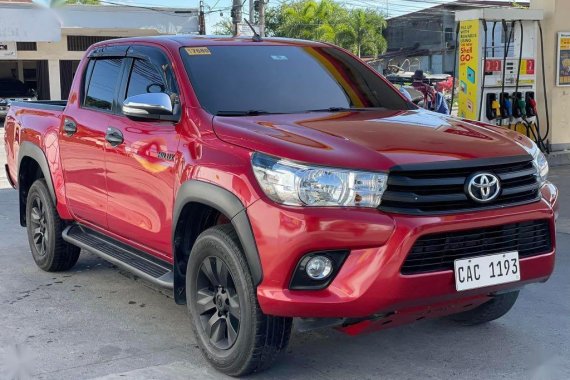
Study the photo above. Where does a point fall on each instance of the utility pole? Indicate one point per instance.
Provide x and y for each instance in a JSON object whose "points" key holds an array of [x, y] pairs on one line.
{"points": [[202, 19], [236, 15], [252, 12], [262, 4]]}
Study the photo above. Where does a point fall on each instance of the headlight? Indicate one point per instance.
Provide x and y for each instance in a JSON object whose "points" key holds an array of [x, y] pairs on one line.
{"points": [[541, 164], [3, 102], [296, 184]]}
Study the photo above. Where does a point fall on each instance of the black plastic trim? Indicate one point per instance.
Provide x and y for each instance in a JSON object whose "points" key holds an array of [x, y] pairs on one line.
{"points": [[436, 252], [397, 210], [463, 164], [109, 51], [228, 204], [412, 188], [300, 280], [10, 181], [123, 255], [28, 149]]}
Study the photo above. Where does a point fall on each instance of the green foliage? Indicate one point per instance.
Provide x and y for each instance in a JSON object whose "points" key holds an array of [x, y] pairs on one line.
{"points": [[56, 3], [85, 2], [358, 30], [224, 28]]}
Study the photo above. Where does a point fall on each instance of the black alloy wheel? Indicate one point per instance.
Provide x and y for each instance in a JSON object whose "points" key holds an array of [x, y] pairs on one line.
{"points": [[40, 233], [218, 303], [44, 226], [232, 331]]}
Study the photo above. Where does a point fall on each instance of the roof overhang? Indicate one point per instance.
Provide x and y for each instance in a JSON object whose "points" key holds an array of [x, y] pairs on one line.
{"points": [[29, 24], [25, 22], [498, 14]]}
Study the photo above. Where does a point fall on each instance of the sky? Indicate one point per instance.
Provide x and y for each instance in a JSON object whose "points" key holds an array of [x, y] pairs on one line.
{"points": [[220, 9], [217, 7]]}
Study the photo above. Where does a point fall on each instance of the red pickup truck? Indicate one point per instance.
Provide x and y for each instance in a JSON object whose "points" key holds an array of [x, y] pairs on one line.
{"points": [[277, 179]]}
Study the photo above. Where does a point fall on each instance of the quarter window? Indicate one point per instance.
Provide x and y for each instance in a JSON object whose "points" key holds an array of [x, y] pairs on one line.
{"points": [[103, 83]]}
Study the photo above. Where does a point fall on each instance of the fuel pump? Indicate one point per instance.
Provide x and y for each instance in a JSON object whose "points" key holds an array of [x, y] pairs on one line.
{"points": [[497, 68]]}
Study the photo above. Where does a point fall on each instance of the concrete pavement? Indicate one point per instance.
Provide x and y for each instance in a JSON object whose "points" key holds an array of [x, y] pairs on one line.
{"points": [[96, 321]]}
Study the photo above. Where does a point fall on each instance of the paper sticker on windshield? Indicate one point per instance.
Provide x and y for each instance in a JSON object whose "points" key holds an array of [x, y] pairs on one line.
{"points": [[279, 57], [198, 51]]}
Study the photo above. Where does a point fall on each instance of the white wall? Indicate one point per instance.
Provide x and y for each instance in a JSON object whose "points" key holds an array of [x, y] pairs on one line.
{"points": [[556, 16]]}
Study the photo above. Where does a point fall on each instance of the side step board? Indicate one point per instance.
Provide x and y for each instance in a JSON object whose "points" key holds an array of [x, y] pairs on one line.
{"points": [[124, 256]]}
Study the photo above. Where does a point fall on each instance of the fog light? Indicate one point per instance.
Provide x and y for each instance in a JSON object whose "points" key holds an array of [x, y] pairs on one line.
{"points": [[316, 270], [319, 267]]}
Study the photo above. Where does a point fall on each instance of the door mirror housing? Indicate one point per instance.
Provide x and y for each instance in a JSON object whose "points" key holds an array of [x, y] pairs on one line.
{"points": [[153, 106]]}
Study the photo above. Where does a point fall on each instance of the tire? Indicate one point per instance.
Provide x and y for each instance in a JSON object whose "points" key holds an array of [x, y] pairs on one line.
{"points": [[243, 340], [498, 306], [50, 252]]}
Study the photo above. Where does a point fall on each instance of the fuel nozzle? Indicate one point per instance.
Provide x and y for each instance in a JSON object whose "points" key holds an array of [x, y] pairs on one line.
{"points": [[507, 105], [493, 107], [531, 107], [519, 108], [496, 108]]}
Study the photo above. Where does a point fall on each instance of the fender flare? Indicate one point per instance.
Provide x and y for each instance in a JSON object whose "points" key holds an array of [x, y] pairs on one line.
{"points": [[28, 149], [196, 191]]}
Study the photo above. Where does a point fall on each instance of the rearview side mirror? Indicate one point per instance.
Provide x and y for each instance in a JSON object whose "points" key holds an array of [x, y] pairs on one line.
{"points": [[154, 106]]}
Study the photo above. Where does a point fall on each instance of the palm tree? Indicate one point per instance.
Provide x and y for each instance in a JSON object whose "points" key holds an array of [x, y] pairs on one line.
{"points": [[362, 32], [224, 27], [306, 19]]}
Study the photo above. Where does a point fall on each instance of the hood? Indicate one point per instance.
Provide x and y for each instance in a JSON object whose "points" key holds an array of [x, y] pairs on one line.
{"points": [[370, 140]]}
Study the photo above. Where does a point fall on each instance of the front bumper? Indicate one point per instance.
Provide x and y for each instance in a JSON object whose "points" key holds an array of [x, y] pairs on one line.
{"points": [[370, 283]]}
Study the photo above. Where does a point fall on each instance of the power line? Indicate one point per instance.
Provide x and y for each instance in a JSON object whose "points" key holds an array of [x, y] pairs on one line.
{"points": [[413, 6], [150, 8]]}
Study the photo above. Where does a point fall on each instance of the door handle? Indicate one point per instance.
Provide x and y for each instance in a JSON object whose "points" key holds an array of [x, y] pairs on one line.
{"points": [[69, 127], [114, 136]]}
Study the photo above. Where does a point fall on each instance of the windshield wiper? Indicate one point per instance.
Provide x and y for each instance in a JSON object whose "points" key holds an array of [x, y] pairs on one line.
{"points": [[244, 113], [345, 109]]}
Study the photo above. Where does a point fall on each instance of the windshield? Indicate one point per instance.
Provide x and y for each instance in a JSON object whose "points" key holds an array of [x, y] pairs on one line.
{"points": [[12, 88], [284, 79]]}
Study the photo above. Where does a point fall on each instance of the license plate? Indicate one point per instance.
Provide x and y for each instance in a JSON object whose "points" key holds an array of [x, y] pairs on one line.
{"points": [[482, 271]]}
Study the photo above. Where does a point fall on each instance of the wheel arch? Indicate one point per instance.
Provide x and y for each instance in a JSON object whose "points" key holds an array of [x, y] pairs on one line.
{"points": [[199, 198], [31, 159]]}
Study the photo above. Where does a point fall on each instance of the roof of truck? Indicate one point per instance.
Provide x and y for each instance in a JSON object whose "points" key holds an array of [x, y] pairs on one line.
{"points": [[199, 40]]}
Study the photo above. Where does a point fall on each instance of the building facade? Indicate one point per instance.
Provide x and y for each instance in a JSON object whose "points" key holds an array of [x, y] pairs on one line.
{"points": [[426, 39], [42, 47]]}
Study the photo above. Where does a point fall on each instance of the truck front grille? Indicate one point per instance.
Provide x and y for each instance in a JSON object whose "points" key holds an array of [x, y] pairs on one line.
{"points": [[439, 188], [437, 252]]}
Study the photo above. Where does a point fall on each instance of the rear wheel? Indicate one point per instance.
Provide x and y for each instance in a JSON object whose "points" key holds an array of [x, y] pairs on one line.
{"points": [[498, 306], [232, 332], [50, 252]]}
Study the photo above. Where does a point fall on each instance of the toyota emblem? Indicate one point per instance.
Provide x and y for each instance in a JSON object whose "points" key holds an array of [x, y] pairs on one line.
{"points": [[483, 187]]}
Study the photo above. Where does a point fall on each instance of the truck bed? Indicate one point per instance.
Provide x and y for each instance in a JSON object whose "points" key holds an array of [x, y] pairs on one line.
{"points": [[52, 105]]}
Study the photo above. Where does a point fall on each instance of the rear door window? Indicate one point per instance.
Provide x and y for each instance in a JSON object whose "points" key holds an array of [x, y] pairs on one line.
{"points": [[103, 83]]}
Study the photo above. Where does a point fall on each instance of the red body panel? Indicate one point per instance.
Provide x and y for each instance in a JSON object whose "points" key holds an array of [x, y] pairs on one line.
{"points": [[83, 163], [370, 281], [129, 192]]}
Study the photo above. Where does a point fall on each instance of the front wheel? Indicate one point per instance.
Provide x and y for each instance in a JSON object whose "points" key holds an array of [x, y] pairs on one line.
{"points": [[232, 331], [498, 306]]}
